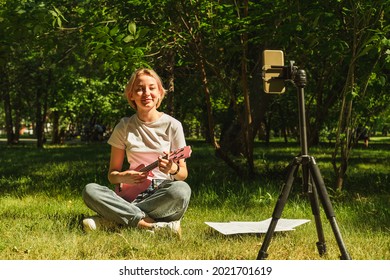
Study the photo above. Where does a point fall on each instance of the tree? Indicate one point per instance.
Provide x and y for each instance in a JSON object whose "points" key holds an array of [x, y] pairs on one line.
{"points": [[43, 45], [66, 63], [365, 24]]}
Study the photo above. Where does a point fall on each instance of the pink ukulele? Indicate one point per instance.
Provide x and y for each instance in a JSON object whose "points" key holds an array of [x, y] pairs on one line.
{"points": [[131, 191]]}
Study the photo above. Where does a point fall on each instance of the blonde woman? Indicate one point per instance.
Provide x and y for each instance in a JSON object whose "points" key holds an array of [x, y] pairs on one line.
{"points": [[153, 200]]}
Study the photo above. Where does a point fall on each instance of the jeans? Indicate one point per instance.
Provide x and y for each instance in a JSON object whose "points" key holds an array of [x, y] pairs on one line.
{"points": [[168, 203]]}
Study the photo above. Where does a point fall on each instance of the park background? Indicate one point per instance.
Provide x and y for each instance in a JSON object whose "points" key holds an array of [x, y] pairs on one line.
{"points": [[64, 65]]}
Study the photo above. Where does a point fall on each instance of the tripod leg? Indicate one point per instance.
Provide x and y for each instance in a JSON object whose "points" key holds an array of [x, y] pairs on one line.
{"points": [[324, 197], [315, 208], [313, 198], [278, 208]]}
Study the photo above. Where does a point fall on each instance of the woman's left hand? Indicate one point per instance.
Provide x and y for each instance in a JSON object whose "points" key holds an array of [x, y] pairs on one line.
{"points": [[165, 165]]}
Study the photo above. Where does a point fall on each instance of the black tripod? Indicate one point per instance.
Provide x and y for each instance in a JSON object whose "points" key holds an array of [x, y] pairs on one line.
{"points": [[312, 181]]}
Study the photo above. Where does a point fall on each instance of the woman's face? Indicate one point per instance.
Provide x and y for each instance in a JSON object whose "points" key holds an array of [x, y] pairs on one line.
{"points": [[146, 93]]}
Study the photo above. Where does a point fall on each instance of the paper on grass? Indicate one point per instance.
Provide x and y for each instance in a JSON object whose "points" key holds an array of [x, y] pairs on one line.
{"points": [[255, 227]]}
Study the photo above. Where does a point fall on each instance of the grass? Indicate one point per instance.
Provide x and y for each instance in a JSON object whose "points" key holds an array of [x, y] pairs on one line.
{"points": [[41, 206]]}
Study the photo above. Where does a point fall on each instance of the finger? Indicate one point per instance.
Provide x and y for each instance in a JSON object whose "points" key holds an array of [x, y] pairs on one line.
{"points": [[143, 175]]}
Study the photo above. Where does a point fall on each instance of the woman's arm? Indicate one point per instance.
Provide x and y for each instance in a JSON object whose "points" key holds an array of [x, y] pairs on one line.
{"points": [[181, 172], [115, 173], [177, 170]]}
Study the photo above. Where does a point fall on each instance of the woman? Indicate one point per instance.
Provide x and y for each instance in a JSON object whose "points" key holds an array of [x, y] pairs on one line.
{"points": [[147, 136]]}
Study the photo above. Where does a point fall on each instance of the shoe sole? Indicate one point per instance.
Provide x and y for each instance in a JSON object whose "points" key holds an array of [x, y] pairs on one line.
{"points": [[169, 232]]}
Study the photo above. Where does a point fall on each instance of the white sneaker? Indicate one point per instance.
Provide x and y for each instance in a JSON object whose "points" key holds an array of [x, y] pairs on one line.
{"points": [[172, 228], [96, 222]]}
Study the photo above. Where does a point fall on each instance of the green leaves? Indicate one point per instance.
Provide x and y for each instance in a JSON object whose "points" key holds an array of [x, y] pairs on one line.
{"points": [[104, 41], [57, 17], [132, 28]]}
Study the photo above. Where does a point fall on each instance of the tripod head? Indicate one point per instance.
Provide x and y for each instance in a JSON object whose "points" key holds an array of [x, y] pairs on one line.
{"points": [[275, 73], [295, 75]]}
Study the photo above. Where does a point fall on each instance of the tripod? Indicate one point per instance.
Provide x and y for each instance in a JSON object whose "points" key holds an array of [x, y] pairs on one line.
{"points": [[312, 182]]}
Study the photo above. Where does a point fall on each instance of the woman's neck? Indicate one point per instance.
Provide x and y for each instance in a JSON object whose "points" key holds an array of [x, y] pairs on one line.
{"points": [[149, 116]]}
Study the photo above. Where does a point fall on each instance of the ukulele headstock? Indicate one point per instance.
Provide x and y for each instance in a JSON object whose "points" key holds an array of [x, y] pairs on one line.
{"points": [[181, 153]]}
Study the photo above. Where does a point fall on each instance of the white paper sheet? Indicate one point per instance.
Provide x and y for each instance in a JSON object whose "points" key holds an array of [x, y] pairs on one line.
{"points": [[255, 227]]}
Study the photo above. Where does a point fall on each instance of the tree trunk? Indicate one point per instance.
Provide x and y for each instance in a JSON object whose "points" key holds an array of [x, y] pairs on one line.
{"points": [[343, 143], [211, 128], [247, 121], [8, 118], [55, 138], [39, 124], [171, 82], [206, 90], [40, 116]]}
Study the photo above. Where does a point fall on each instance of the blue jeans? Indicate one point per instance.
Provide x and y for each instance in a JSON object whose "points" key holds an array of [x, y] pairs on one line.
{"points": [[168, 203]]}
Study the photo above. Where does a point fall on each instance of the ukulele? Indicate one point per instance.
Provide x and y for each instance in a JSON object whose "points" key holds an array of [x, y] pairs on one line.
{"points": [[131, 191]]}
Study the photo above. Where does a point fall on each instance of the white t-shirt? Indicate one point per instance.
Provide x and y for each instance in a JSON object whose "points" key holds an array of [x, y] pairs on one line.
{"points": [[144, 142]]}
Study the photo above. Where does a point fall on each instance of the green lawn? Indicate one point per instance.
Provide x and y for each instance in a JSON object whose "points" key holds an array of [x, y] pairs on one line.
{"points": [[41, 206]]}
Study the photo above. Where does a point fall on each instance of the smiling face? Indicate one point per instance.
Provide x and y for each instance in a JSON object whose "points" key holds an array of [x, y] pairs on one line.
{"points": [[146, 93], [144, 90]]}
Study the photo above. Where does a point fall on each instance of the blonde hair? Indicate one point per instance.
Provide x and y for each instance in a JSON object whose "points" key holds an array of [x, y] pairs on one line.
{"points": [[129, 89]]}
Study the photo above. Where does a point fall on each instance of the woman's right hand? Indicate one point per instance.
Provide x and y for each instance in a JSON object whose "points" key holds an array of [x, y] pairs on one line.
{"points": [[133, 176]]}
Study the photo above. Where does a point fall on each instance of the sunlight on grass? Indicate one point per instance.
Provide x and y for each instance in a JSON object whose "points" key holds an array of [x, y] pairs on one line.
{"points": [[41, 207]]}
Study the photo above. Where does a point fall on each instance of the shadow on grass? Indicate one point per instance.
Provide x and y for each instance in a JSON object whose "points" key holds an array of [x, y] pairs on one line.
{"points": [[64, 171]]}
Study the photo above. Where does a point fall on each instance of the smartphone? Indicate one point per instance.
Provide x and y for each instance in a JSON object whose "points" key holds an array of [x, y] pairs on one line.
{"points": [[273, 71]]}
